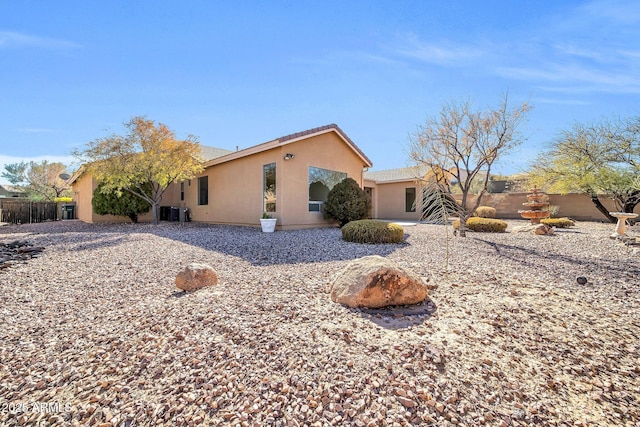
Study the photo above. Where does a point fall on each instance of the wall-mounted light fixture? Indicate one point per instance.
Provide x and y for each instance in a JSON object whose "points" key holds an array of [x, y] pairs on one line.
{"points": [[289, 156]]}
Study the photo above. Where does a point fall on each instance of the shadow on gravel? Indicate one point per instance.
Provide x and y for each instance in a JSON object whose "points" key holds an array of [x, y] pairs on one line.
{"points": [[247, 243], [399, 317], [536, 258]]}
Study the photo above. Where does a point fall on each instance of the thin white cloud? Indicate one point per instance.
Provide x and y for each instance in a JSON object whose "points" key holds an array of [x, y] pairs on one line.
{"points": [[576, 78], [626, 12], [573, 50], [13, 40], [631, 54], [444, 52], [560, 101], [36, 130]]}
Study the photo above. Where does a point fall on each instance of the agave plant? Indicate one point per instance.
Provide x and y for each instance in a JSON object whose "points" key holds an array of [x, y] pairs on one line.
{"points": [[436, 207]]}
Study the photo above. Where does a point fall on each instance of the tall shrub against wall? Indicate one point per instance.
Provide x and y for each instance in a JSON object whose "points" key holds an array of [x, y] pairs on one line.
{"points": [[346, 202]]}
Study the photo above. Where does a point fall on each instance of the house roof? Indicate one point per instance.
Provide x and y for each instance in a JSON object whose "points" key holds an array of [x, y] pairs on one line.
{"points": [[322, 129], [213, 155], [12, 188], [288, 139], [397, 175], [209, 153]]}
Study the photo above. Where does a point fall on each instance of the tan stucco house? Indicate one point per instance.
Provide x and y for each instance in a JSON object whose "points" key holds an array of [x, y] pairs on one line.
{"points": [[288, 177], [395, 193]]}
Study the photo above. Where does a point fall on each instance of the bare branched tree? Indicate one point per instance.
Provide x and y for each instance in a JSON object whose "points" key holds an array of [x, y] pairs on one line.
{"points": [[460, 146]]}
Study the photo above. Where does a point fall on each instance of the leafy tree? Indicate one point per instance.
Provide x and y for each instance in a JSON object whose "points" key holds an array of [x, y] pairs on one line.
{"points": [[346, 202], [44, 180], [121, 203], [16, 173], [41, 180], [460, 146], [597, 159], [147, 155]]}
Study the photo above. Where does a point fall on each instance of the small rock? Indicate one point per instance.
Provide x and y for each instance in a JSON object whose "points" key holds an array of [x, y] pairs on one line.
{"points": [[407, 403], [544, 230], [581, 280]]}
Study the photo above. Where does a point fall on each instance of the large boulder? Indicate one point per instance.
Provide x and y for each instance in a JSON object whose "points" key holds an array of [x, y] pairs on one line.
{"points": [[375, 282], [196, 276]]}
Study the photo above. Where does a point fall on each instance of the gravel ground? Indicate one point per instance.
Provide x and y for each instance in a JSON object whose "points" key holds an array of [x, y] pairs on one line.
{"points": [[94, 332]]}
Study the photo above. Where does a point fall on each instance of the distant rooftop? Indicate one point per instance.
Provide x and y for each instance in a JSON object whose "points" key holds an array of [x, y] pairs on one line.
{"points": [[209, 153], [12, 188], [399, 174]]}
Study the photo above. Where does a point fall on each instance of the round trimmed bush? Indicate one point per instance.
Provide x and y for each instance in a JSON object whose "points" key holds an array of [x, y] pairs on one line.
{"points": [[485, 212], [346, 202], [372, 231], [558, 222], [486, 225]]}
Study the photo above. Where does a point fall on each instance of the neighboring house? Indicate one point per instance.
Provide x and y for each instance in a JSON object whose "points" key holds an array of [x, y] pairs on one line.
{"points": [[11, 191], [394, 192], [288, 177]]}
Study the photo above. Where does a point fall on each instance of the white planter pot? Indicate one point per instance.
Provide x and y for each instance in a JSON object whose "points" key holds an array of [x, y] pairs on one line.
{"points": [[268, 225]]}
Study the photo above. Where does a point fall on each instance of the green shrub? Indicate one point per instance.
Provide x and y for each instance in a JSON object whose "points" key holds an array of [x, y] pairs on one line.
{"points": [[346, 202], [485, 212], [372, 231], [487, 225], [123, 204], [558, 222]]}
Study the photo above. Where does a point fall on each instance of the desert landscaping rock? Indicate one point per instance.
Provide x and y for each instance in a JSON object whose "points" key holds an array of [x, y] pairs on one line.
{"points": [[544, 230], [93, 333], [196, 276], [16, 252], [375, 282]]}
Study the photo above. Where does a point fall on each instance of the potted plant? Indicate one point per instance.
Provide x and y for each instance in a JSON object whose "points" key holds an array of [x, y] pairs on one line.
{"points": [[268, 223]]}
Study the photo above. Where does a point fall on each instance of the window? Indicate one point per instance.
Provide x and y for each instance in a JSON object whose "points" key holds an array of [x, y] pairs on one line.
{"points": [[321, 181], [182, 191], [269, 187], [410, 199], [203, 190]]}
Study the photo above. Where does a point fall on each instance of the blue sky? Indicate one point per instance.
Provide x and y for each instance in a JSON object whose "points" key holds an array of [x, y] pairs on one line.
{"points": [[238, 73]]}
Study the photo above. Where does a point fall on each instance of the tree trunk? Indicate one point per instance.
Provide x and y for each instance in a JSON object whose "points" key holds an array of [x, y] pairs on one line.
{"points": [[602, 209], [154, 209], [463, 226], [630, 205]]}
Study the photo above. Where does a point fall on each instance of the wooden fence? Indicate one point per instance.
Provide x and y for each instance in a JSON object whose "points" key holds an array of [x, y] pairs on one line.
{"points": [[25, 212]]}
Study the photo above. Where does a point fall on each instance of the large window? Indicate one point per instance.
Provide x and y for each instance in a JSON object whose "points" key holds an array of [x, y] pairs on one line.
{"points": [[269, 187], [203, 190], [410, 199], [321, 181]]}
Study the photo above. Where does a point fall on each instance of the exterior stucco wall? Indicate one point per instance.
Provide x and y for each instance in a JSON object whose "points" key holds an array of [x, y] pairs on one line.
{"points": [[326, 151], [235, 187], [235, 191], [391, 200], [82, 192]]}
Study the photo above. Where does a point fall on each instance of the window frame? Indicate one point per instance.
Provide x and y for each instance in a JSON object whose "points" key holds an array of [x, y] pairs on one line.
{"points": [[410, 208], [202, 202], [265, 204], [316, 205]]}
